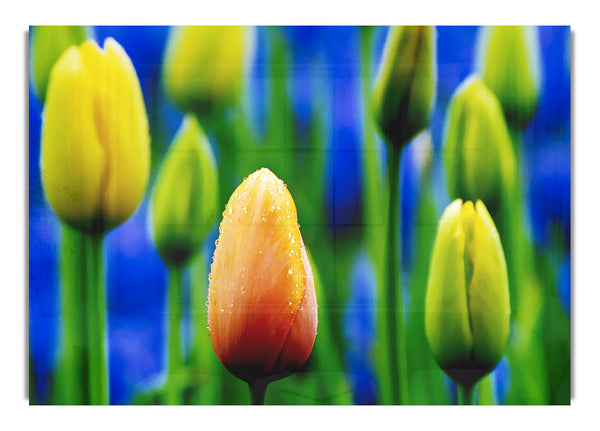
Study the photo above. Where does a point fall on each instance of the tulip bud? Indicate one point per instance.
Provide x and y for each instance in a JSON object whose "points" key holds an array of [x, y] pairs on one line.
{"points": [[467, 308], [478, 154], [509, 62], [95, 155], [184, 203], [47, 44], [204, 66], [405, 86], [262, 307]]}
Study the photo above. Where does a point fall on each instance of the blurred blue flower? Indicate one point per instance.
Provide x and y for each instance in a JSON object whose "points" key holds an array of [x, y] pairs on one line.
{"points": [[44, 300], [359, 331], [136, 281], [501, 379], [564, 283], [550, 193], [554, 110]]}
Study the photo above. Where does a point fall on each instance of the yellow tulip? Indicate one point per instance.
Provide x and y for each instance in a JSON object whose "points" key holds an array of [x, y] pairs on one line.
{"points": [[95, 155], [467, 308], [204, 66]]}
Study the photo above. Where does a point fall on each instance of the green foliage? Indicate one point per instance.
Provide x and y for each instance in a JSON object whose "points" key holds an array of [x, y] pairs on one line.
{"points": [[46, 46]]}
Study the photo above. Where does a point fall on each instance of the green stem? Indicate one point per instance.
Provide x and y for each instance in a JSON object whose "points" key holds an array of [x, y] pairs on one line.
{"points": [[372, 181], [71, 377], [393, 311], [465, 395], [96, 320], [175, 354]]}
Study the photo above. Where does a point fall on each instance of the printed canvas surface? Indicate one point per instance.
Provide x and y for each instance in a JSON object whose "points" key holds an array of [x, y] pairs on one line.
{"points": [[299, 215]]}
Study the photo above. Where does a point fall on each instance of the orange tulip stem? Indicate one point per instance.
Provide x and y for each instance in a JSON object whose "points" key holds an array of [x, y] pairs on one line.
{"points": [[257, 391]]}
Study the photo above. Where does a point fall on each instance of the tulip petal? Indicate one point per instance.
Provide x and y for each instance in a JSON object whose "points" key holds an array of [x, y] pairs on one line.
{"points": [[447, 318], [72, 159], [258, 277], [301, 338], [122, 126], [488, 291]]}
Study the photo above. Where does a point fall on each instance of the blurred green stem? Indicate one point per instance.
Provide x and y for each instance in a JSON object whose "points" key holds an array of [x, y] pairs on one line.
{"points": [[202, 359], [372, 181], [391, 307], [96, 309], [175, 355], [465, 395], [426, 383], [525, 351]]}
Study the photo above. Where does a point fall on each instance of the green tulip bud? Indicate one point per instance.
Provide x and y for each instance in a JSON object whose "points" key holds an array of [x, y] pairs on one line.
{"points": [[204, 67], [404, 90], [184, 202], [478, 154], [509, 62], [47, 45], [467, 309]]}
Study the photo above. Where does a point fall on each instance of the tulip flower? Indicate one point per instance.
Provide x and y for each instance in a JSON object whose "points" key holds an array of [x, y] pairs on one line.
{"points": [[405, 86], [95, 161], [262, 309], [184, 208], [95, 155], [184, 203], [402, 101], [48, 42], [467, 308], [204, 66], [510, 64], [478, 154]]}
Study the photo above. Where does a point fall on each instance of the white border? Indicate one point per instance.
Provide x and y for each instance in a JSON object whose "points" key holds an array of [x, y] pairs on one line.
{"points": [[16, 18]]}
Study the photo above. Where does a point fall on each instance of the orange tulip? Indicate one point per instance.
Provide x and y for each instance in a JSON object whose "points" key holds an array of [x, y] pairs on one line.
{"points": [[262, 307]]}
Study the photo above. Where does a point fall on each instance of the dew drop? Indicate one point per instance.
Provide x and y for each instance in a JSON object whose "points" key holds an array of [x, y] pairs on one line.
{"points": [[229, 210], [290, 271]]}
